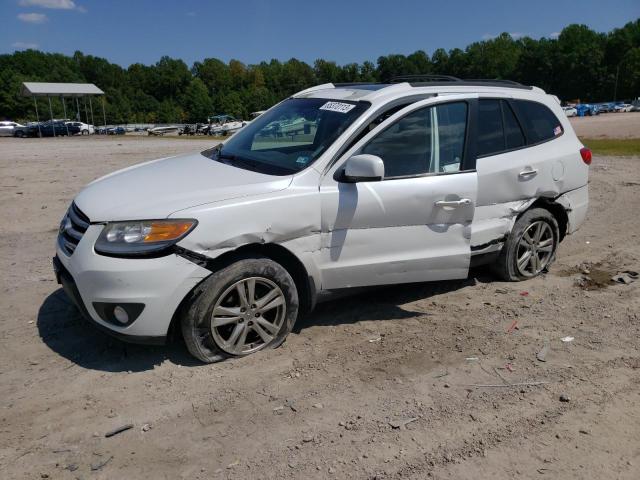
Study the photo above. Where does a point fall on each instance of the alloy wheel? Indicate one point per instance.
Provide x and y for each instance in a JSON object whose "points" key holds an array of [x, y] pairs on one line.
{"points": [[248, 315], [535, 249]]}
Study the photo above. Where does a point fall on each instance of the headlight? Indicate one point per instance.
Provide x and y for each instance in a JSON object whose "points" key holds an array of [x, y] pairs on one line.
{"points": [[142, 238]]}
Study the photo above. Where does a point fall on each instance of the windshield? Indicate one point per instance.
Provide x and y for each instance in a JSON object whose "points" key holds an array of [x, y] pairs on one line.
{"points": [[289, 137]]}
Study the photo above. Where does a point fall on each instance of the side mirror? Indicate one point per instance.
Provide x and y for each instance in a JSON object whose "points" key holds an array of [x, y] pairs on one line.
{"points": [[363, 168]]}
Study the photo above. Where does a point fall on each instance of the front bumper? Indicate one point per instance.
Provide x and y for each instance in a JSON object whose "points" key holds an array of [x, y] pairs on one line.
{"points": [[158, 283]]}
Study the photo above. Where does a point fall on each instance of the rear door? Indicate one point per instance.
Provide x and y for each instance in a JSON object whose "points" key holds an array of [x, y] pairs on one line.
{"points": [[414, 225], [522, 155]]}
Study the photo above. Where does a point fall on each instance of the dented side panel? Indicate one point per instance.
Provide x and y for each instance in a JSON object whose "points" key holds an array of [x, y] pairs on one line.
{"points": [[576, 203], [290, 218], [508, 183], [392, 231]]}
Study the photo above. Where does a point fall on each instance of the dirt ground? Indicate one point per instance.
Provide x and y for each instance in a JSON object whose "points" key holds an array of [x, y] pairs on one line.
{"points": [[608, 125], [408, 382]]}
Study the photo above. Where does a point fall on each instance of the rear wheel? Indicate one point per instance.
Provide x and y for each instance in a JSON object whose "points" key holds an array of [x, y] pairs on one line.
{"points": [[250, 305], [531, 246]]}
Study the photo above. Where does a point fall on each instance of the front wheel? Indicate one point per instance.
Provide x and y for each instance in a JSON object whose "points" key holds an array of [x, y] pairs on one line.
{"points": [[531, 246], [241, 309]]}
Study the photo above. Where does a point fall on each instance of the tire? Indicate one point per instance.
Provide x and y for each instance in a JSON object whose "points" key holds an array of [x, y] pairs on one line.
{"points": [[517, 245], [84, 132], [240, 330], [20, 134]]}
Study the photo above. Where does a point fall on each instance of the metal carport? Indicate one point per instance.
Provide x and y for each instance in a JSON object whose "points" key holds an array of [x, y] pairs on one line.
{"points": [[63, 90]]}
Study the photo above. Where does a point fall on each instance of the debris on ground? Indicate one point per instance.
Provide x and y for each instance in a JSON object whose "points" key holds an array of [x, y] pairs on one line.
{"points": [[99, 465], [542, 354], [400, 424], [118, 430], [567, 339], [513, 326], [565, 398], [502, 385], [626, 277]]}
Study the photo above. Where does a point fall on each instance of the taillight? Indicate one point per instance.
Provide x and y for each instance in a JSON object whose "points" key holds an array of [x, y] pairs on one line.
{"points": [[585, 153]]}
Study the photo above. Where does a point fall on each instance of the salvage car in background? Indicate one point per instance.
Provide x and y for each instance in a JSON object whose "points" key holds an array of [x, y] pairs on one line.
{"points": [[83, 128], [587, 109], [390, 183], [570, 111], [623, 108], [47, 129], [9, 129]]}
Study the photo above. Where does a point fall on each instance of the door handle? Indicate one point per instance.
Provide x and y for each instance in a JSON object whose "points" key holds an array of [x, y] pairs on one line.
{"points": [[528, 173], [454, 203]]}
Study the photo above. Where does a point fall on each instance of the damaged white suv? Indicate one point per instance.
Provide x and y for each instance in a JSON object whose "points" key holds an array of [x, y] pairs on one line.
{"points": [[339, 186]]}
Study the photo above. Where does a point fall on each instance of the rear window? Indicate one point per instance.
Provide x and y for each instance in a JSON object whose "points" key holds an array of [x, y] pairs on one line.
{"points": [[540, 124]]}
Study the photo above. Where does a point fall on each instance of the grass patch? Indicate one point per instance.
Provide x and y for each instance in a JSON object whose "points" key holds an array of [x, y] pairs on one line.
{"points": [[621, 147]]}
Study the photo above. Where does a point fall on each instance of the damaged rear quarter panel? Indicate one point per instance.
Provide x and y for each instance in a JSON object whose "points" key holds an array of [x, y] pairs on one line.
{"points": [[503, 193]]}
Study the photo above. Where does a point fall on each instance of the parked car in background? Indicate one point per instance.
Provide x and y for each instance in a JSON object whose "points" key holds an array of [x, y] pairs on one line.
{"points": [[587, 109], [623, 108], [8, 128], [116, 131], [570, 111], [390, 184], [605, 107], [84, 128], [47, 129]]}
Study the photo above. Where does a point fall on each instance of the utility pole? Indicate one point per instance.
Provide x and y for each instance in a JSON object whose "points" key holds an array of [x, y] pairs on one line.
{"points": [[615, 88]]}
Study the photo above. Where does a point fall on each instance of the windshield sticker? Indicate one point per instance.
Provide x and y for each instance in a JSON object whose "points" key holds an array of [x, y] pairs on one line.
{"points": [[338, 107], [303, 160], [557, 131]]}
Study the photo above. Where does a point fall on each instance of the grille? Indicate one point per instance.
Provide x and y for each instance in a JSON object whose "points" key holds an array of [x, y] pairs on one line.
{"points": [[72, 228]]}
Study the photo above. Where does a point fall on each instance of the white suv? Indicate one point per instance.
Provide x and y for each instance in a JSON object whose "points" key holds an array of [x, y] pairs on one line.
{"points": [[85, 129], [377, 184]]}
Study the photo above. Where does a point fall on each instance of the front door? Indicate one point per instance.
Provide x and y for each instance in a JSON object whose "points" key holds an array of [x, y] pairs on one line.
{"points": [[415, 224]]}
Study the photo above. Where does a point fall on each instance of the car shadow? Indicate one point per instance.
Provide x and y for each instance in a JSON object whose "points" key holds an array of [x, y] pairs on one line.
{"points": [[382, 303], [64, 330]]}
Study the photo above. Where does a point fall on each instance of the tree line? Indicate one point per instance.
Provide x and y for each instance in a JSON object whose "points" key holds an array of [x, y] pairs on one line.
{"points": [[579, 64]]}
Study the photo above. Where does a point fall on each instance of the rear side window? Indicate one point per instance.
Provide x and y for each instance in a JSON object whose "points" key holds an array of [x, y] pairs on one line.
{"points": [[513, 136], [490, 130], [540, 124], [498, 128]]}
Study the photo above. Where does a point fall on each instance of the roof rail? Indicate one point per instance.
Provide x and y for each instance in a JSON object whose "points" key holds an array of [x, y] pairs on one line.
{"points": [[494, 80], [446, 80], [425, 78]]}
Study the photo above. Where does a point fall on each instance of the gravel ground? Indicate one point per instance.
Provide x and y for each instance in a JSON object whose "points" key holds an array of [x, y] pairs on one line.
{"points": [[383, 384], [608, 125]]}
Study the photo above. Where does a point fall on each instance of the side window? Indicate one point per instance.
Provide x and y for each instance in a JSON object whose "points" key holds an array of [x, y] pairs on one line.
{"points": [[513, 135], [404, 147], [430, 140], [539, 122], [452, 131], [490, 130]]}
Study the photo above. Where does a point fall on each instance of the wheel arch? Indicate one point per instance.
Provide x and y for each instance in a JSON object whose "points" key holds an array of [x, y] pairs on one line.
{"points": [[555, 209], [305, 284]]}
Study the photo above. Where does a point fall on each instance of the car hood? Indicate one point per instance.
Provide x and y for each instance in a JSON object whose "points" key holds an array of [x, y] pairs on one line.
{"points": [[159, 188]]}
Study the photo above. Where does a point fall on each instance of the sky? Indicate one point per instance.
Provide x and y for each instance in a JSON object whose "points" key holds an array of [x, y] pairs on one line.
{"points": [[141, 31]]}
